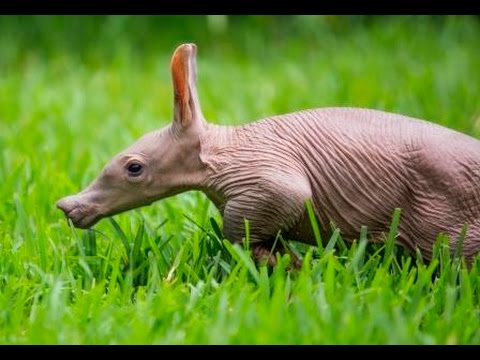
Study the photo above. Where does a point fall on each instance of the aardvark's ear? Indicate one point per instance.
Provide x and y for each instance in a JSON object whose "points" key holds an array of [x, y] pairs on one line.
{"points": [[184, 75]]}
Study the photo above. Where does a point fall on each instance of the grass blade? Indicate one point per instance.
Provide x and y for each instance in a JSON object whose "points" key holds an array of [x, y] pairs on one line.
{"points": [[246, 243], [242, 257], [390, 243], [333, 240], [137, 243], [122, 235], [216, 228], [314, 224]]}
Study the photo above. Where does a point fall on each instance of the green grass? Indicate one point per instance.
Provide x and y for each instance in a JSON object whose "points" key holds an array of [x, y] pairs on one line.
{"points": [[74, 91]]}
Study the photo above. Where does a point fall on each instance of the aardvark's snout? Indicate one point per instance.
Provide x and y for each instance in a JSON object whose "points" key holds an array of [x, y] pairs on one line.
{"points": [[81, 215]]}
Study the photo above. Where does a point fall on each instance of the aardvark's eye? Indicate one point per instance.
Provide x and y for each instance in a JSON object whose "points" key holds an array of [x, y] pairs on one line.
{"points": [[134, 169]]}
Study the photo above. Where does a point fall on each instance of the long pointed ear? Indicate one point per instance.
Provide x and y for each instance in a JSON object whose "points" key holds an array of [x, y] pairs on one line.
{"points": [[184, 75]]}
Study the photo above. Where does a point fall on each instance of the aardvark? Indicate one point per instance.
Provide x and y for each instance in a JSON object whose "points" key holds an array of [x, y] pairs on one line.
{"points": [[356, 165]]}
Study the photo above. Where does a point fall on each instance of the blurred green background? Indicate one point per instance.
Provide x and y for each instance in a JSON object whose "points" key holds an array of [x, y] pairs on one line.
{"points": [[74, 90], [376, 61]]}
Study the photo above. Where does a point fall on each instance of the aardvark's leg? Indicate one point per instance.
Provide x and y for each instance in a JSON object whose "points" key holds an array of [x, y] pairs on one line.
{"points": [[271, 206]]}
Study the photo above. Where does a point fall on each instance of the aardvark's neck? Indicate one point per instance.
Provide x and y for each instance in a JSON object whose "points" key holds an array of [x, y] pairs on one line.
{"points": [[234, 158]]}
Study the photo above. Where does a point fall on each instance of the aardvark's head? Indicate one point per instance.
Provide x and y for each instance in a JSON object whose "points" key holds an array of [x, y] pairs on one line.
{"points": [[160, 164]]}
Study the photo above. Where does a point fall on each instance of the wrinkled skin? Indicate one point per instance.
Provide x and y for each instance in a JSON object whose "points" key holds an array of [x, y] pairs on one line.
{"points": [[356, 165]]}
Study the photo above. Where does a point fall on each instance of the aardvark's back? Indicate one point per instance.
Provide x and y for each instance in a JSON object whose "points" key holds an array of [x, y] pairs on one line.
{"points": [[358, 165]]}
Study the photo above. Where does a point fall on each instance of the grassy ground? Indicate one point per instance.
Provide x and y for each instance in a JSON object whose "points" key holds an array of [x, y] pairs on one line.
{"points": [[74, 91]]}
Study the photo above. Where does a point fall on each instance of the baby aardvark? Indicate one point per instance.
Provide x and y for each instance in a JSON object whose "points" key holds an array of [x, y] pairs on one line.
{"points": [[356, 166]]}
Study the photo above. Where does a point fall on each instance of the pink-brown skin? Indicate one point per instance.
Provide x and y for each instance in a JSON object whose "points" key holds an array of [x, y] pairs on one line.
{"points": [[356, 165]]}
